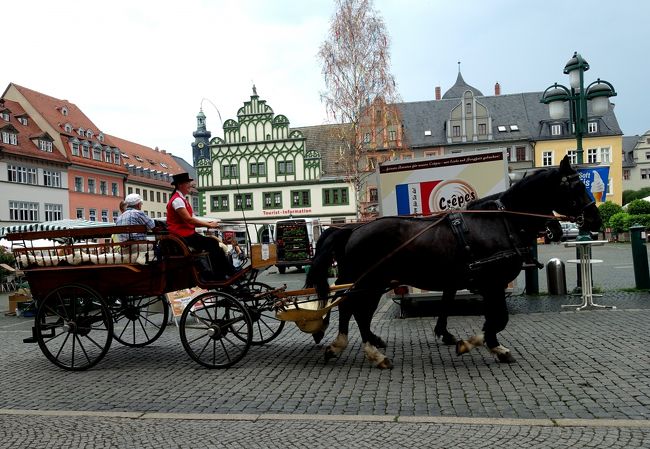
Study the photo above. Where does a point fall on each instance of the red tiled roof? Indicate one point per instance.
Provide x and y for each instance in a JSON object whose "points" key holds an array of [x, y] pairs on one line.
{"points": [[150, 158], [26, 147]]}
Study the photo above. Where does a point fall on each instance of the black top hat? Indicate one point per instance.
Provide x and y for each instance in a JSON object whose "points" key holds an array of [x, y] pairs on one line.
{"points": [[181, 178]]}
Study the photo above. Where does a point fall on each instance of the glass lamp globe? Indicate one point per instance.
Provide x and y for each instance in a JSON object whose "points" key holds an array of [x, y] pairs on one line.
{"points": [[600, 105], [556, 109], [574, 78]]}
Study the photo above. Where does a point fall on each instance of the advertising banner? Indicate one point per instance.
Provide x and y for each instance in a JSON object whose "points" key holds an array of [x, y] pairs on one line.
{"points": [[596, 181], [428, 185]]}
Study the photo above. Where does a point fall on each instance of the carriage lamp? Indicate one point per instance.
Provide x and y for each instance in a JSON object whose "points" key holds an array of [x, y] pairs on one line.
{"points": [[597, 93]]}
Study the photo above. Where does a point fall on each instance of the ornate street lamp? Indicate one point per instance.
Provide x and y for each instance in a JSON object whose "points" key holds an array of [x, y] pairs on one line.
{"points": [[598, 92]]}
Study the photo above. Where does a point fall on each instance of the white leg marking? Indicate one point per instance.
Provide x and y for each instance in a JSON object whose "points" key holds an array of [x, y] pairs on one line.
{"points": [[375, 356], [339, 344], [500, 350], [465, 346]]}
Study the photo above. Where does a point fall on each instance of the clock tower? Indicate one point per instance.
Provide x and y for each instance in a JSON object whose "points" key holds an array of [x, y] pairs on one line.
{"points": [[201, 144]]}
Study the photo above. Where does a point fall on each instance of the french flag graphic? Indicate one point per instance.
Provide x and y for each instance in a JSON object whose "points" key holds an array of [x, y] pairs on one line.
{"points": [[413, 199]]}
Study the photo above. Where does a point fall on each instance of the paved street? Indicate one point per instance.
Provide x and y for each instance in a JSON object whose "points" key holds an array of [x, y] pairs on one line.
{"points": [[581, 379]]}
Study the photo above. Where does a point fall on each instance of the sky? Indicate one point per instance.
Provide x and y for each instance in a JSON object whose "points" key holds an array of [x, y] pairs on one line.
{"points": [[142, 69]]}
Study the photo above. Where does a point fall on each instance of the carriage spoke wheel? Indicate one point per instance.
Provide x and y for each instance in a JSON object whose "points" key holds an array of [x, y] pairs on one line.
{"points": [[73, 327], [266, 326], [207, 329], [139, 320]]}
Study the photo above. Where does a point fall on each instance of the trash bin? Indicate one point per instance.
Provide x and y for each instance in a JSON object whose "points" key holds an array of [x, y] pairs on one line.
{"points": [[555, 277]]}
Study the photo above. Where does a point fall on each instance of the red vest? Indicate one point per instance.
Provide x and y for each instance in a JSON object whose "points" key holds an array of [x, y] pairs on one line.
{"points": [[175, 223]]}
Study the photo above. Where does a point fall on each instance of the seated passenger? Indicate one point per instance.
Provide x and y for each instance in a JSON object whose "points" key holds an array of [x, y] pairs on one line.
{"points": [[133, 215], [182, 223]]}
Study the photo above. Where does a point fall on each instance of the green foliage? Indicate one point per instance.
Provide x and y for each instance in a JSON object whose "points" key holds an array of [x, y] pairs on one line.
{"points": [[638, 207], [631, 195], [607, 209], [6, 256], [641, 219], [619, 222]]}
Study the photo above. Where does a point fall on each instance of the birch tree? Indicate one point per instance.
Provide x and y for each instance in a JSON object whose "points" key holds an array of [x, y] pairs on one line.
{"points": [[356, 66]]}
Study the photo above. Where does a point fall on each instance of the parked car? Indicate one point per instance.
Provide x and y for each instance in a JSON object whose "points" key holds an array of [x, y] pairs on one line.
{"points": [[570, 231], [296, 241]]}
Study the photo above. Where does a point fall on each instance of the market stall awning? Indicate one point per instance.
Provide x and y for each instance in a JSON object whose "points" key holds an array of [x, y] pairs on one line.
{"points": [[52, 226]]}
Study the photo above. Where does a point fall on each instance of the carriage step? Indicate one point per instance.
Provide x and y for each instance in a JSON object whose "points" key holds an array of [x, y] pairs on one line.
{"points": [[29, 340]]}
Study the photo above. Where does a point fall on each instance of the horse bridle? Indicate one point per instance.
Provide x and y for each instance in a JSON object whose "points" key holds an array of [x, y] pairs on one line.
{"points": [[569, 182]]}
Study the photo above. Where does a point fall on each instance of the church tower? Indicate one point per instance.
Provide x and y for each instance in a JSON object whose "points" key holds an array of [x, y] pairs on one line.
{"points": [[201, 144]]}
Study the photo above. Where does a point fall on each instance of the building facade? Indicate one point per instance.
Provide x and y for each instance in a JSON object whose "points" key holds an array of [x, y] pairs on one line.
{"points": [[636, 162]]}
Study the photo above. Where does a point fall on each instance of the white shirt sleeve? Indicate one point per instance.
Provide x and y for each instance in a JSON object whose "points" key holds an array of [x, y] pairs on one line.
{"points": [[178, 203]]}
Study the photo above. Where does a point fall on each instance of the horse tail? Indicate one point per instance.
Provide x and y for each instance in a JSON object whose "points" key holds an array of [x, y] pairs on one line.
{"points": [[329, 245]]}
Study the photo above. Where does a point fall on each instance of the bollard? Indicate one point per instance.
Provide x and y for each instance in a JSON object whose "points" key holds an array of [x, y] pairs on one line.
{"points": [[639, 257], [532, 281], [555, 277]]}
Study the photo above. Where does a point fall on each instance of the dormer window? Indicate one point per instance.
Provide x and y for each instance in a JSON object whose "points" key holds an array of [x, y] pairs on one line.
{"points": [[556, 130], [5, 115], [64, 111], [501, 129], [139, 159], [89, 134], [514, 128], [75, 147], [81, 131], [22, 120], [68, 128], [163, 165], [592, 127], [45, 145], [85, 150], [97, 153], [100, 137], [10, 137], [116, 157], [107, 154]]}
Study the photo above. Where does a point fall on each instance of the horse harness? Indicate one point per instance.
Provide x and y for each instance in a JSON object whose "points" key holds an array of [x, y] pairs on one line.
{"points": [[475, 267]]}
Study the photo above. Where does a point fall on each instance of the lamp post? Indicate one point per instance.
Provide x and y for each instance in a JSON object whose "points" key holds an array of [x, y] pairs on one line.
{"points": [[597, 92]]}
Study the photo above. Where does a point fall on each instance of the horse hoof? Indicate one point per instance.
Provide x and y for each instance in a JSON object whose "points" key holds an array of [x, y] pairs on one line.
{"points": [[385, 364], [318, 336], [461, 347], [329, 354], [506, 358], [449, 340]]}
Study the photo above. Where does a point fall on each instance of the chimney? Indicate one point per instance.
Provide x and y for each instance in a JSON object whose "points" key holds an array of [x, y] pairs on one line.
{"points": [[163, 151], [157, 149], [437, 92], [497, 89]]}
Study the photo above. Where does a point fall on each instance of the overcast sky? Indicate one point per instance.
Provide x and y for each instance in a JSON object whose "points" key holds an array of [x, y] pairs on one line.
{"points": [[141, 69]]}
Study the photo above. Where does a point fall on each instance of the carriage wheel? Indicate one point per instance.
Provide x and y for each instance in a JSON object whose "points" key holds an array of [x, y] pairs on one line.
{"points": [[73, 327], [207, 329], [266, 326], [139, 320]]}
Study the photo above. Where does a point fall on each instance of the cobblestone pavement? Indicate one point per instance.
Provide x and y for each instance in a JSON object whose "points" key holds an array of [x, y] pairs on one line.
{"points": [[581, 379]]}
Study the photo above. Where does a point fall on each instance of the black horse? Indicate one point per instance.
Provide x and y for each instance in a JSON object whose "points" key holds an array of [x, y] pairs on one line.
{"points": [[481, 248]]}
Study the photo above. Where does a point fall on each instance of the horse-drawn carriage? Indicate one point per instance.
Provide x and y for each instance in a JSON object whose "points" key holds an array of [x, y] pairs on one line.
{"points": [[90, 290]]}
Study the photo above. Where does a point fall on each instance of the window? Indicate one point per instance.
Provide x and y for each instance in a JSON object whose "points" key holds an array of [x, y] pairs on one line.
{"points": [[547, 158], [53, 212], [22, 175], [114, 189], [285, 167], [392, 135], [573, 156], [514, 128], [645, 173], [97, 153], [89, 133], [116, 157], [626, 174], [334, 197], [592, 127], [219, 203], [107, 154], [244, 201], [22, 120], [157, 197], [229, 171], [592, 154], [80, 213], [366, 138], [92, 214], [67, 127], [103, 187], [456, 131], [164, 194], [468, 108], [257, 169], [501, 129], [64, 110], [51, 178], [75, 148], [91, 185], [78, 184], [145, 193], [373, 195], [23, 211], [104, 215], [520, 153], [372, 162], [300, 198], [80, 131], [85, 150], [9, 137], [5, 115], [272, 200], [482, 128], [44, 145], [116, 213], [605, 155]]}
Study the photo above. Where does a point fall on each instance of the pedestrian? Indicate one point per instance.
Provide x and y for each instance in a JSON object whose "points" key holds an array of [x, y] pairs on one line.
{"points": [[182, 223]]}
